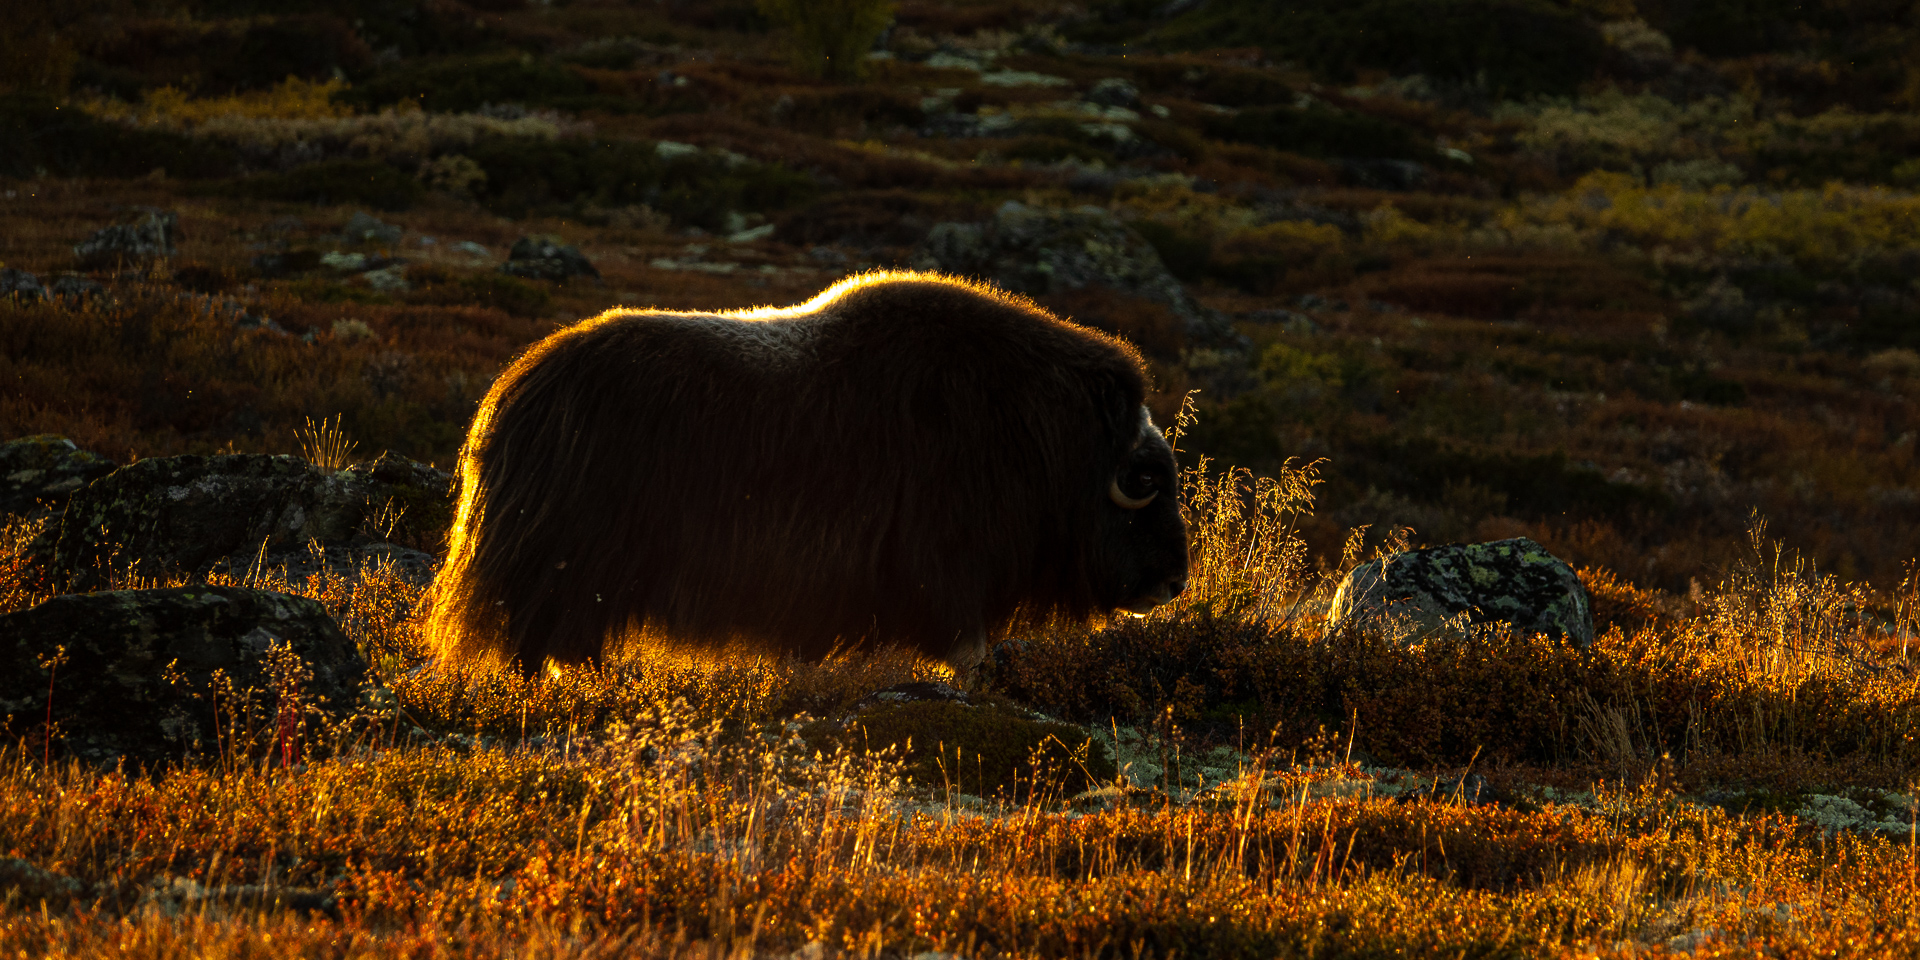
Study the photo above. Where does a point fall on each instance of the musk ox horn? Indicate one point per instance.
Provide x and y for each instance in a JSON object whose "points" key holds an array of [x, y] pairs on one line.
{"points": [[1128, 503]]}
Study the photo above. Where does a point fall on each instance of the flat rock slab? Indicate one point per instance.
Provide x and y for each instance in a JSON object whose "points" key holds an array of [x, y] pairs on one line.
{"points": [[1037, 251], [40, 472], [191, 514], [137, 677], [1516, 582]]}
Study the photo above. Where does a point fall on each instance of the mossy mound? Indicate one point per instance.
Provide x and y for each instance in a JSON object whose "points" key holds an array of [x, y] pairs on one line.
{"points": [[985, 750], [47, 138]]}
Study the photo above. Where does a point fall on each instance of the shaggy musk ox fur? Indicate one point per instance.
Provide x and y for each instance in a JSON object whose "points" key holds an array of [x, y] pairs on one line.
{"points": [[906, 458]]}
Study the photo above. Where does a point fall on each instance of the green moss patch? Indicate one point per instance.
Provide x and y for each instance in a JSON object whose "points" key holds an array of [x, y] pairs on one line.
{"points": [[982, 750]]}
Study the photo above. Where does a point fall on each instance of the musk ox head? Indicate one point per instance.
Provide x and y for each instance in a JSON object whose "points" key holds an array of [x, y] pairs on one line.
{"points": [[907, 459], [1146, 561]]}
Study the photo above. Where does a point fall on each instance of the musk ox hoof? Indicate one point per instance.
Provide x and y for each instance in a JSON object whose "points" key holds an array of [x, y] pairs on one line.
{"points": [[1514, 582]]}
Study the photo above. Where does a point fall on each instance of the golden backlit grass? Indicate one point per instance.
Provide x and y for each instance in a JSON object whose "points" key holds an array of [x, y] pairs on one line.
{"points": [[665, 808]]}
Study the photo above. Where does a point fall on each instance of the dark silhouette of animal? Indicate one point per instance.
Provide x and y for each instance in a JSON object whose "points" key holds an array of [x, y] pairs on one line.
{"points": [[906, 459]]}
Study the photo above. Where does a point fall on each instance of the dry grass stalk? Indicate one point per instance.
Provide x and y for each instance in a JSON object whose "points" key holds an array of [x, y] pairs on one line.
{"points": [[325, 444]]}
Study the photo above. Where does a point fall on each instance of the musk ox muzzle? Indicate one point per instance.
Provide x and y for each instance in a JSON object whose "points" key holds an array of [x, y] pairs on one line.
{"points": [[906, 459]]}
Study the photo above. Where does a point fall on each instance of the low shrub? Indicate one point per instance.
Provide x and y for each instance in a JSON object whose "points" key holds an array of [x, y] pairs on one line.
{"points": [[1259, 258], [44, 137], [1184, 253], [1320, 131], [830, 37], [222, 57], [368, 182], [697, 189], [875, 218], [458, 84], [1508, 48], [520, 298], [1207, 81], [1045, 149]]}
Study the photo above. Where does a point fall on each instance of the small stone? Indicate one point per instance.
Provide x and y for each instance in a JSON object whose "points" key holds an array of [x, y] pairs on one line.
{"points": [[674, 150], [547, 257], [1114, 92], [21, 286], [762, 232], [364, 228], [1516, 582], [391, 279], [130, 244]]}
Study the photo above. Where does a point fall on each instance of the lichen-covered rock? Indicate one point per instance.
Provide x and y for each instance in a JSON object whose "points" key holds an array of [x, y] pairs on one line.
{"points": [[1037, 251], [192, 514], [129, 244], [40, 472], [133, 672], [1505, 581], [546, 257]]}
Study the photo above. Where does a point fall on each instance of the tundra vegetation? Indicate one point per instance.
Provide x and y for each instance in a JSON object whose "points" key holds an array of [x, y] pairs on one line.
{"points": [[1629, 277]]}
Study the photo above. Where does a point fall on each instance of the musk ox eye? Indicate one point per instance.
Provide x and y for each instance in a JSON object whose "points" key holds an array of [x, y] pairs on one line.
{"points": [[1128, 501]]}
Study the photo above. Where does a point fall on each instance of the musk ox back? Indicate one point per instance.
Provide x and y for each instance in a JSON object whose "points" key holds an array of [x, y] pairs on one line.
{"points": [[907, 459]]}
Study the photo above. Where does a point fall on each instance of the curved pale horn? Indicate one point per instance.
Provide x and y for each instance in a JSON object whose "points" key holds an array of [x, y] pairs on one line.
{"points": [[1131, 503]]}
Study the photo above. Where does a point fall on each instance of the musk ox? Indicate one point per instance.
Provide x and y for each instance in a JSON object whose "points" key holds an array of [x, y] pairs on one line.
{"points": [[905, 459]]}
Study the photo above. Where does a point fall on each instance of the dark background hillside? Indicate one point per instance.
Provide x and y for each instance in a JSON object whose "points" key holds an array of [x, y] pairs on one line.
{"points": [[1616, 276]]}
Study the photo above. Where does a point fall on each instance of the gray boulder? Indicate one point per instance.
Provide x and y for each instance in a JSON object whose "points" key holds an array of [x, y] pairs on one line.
{"points": [[192, 515], [128, 244], [365, 228], [1039, 251], [20, 285], [545, 257], [156, 675], [40, 472], [1114, 92], [1516, 582]]}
